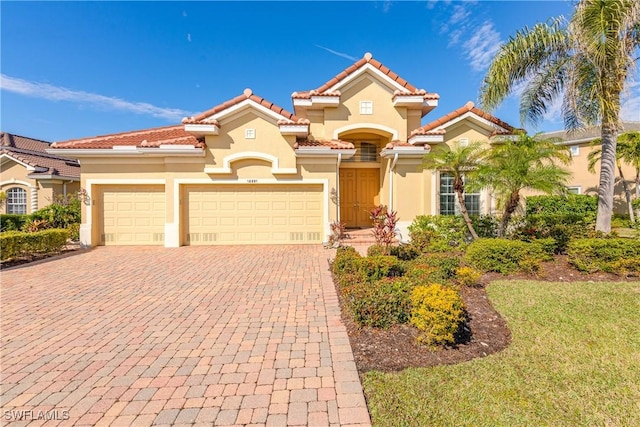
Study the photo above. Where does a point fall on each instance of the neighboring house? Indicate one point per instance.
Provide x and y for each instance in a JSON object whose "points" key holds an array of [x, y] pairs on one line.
{"points": [[580, 144], [30, 177], [248, 171]]}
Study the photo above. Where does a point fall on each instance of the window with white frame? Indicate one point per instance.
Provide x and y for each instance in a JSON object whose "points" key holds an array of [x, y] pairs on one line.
{"points": [[448, 198], [574, 190], [250, 133], [575, 150], [366, 107], [16, 201], [463, 142]]}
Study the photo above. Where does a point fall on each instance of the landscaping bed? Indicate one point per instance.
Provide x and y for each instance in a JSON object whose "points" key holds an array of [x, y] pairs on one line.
{"points": [[395, 349]]}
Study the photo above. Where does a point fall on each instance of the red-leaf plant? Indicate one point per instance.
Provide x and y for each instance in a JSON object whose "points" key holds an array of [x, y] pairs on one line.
{"points": [[384, 226]]}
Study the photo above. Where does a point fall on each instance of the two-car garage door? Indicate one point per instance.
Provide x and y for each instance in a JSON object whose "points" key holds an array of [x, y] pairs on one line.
{"points": [[214, 214], [252, 214]]}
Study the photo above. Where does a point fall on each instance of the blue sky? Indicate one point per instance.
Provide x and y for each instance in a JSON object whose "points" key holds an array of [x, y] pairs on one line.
{"points": [[77, 69]]}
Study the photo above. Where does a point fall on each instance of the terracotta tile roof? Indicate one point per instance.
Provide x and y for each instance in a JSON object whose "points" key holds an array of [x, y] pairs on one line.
{"points": [[334, 144], [247, 94], [323, 90], [146, 138], [468, 107], [32, 152], [420, 92]]}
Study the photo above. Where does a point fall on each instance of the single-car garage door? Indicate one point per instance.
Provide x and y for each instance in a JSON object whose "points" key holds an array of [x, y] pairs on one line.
{"points": [[133, 215], [253, 214]]}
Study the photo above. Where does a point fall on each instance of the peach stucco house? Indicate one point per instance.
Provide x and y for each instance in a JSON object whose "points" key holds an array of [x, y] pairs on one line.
{"points": [[250, 172], [30, 177]]}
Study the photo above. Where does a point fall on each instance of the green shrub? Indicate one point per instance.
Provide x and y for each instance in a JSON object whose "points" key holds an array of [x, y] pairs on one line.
{"points": [[438, 313], [347, 260], [504, 256], [376, 250], [12, 222], [485, 225], [614, 255], [445, 264], [376, 267], [584, 205], [405, 252], [380, 304], [61, 213], [426, 228], [18, 244]]}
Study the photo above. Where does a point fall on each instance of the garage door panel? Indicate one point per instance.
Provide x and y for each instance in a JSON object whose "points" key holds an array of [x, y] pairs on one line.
{"points": [[133, 215], [253, 214]]}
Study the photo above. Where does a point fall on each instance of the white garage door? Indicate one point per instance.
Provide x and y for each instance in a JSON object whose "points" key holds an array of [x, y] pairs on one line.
{"points": [[133, 215], [253, 214]]}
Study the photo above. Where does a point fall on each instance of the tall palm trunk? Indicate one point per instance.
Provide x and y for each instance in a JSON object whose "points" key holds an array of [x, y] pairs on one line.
{"points": [[607, 175], [627, 191], [509, 209], [465, 215]]}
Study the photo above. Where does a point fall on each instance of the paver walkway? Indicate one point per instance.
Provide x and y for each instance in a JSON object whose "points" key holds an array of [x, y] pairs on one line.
{"points": [[188, 336]]}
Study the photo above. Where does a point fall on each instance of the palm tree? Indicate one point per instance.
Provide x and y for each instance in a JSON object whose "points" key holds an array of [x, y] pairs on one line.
{"points": [[528, 162], [627, 151], [459, 161], [587, 62]]}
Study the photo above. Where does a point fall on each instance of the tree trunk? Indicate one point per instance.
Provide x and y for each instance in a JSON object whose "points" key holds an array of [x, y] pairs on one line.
{"points": [[627, 192], [510, 207], [607, 176], [465, 215]]}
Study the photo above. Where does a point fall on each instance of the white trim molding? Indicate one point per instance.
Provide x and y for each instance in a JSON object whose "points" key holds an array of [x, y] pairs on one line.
{"points": [[355, 126], [247, 155]]}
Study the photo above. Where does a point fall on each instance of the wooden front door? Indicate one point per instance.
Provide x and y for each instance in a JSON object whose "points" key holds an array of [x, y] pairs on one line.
{"points": [[359, 193]]}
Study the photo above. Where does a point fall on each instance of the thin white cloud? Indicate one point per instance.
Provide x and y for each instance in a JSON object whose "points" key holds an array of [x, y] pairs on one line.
{"points": [[460, 14], [189, 37], [482, 46], [343, 55], [55, 93]]}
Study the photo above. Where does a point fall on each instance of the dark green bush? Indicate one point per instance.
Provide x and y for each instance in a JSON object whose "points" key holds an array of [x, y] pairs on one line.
{"points": [[504, 256], [380, 304], [405, 252], [12, 222], [485, 225], [438, 312], [426, 229], [376, 267], [614, 255], [64, 211], [347, 260], [578, 204], [18, 244]]}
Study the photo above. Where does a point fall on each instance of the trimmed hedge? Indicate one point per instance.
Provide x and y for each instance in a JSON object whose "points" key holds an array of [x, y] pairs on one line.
{"points": [[380, 304], [609, 255], [17, 243], [505, 256], [578, 204]]}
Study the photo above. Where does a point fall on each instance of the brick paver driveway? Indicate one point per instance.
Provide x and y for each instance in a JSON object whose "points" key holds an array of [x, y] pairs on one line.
{"points": [[194, 335]]}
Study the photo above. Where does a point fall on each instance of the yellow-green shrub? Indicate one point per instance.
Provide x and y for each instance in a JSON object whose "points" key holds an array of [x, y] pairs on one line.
{"points": [[438, 312], [467, 276], [610, 255]]}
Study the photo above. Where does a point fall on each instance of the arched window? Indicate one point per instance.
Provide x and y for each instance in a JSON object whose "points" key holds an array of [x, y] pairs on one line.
{"points": [[17, 201]]}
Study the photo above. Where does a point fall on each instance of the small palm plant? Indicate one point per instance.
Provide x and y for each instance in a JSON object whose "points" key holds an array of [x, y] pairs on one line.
{"points": [[461, 162]]}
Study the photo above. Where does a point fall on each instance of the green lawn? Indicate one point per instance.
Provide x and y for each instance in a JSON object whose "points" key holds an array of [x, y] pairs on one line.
{"points": [[574, 361]]}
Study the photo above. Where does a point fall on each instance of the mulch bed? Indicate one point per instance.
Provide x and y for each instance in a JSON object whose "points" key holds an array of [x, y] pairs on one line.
{"points": [[395, 349]]}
